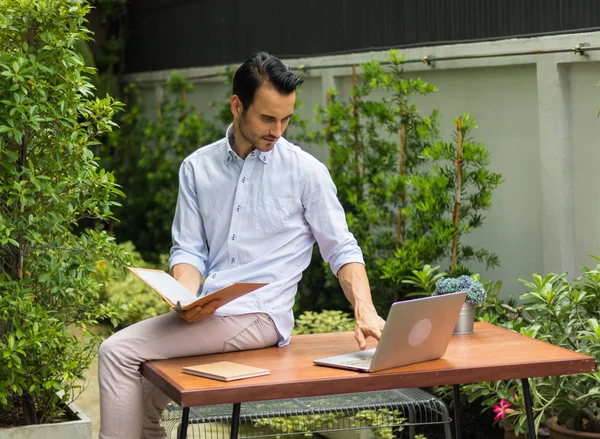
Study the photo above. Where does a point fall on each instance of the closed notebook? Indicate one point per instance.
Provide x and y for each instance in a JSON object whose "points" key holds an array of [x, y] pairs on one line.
{"points": [[225, 371]]}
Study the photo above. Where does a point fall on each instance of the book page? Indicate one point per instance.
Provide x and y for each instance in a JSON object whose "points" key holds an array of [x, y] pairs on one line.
{"points": [[166, 286], [173, 291]]}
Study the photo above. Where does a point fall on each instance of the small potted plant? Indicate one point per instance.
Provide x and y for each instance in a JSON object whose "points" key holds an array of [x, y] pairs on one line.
{"points": [[476, 294]]}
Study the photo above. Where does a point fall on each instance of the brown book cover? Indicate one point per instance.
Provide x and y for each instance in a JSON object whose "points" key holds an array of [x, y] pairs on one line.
{"points": [[179, 297], [225, 371]]}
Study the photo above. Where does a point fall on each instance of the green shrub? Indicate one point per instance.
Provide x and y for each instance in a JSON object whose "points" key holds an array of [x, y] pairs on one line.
{"points": [[50, 182], [311, 322], [126, 290], [565, 313]]}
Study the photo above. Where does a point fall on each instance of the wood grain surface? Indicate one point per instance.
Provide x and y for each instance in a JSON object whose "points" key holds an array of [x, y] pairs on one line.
{"points": [[490, 353]]}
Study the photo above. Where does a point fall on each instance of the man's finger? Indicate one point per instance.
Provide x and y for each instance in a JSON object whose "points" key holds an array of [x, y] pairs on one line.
{"points": [[199, 313], [360, 338]]}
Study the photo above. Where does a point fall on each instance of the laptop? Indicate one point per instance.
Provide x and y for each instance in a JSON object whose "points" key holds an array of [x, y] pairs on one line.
{"points": [[416, 330]]}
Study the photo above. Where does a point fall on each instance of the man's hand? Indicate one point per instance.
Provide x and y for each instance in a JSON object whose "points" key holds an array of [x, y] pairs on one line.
{"points": [[368, 324], [199, 313], [354, 282]]}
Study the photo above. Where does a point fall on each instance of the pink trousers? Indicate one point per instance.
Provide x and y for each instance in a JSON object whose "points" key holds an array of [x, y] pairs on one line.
{"points": [[130, 407]]}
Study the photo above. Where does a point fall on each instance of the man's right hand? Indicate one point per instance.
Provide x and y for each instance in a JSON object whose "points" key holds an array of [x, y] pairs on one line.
{"points": [[199, 313]]}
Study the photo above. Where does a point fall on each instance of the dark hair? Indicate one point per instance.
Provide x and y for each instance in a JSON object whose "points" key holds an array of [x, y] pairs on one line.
{"points": [[260, 69]]}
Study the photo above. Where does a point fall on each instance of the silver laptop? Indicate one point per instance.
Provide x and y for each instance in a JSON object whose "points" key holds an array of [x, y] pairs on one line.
{"points": [[416, 330]]}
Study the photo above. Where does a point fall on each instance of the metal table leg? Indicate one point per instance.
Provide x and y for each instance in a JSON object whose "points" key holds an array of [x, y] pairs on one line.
{"points": [[457, 407], [528, 407], [235, 420], [185, 417]]}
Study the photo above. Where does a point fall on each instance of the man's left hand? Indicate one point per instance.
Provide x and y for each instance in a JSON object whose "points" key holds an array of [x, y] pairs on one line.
{"points": [[368, 324]]}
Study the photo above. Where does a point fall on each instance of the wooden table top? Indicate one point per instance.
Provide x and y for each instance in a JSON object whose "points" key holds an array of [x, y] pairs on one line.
{"points": [[490, 353]]}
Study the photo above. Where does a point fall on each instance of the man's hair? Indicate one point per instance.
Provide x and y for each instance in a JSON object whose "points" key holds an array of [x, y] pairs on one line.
{"points": [[263, 69]]}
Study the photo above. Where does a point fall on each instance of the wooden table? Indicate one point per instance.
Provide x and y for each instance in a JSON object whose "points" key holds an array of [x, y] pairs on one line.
{"points": [[490, 353]]}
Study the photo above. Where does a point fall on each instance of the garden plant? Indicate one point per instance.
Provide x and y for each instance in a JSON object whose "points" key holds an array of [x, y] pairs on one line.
{"points": [[565, 313], [409, 196], [50, 186]]}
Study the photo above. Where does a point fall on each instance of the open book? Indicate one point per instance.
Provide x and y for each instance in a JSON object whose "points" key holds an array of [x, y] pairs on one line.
{"points": [[225, 371], [179, 297]]}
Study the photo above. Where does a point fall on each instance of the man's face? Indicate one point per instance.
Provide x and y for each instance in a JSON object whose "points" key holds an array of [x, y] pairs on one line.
{"points": [[265, 121]]}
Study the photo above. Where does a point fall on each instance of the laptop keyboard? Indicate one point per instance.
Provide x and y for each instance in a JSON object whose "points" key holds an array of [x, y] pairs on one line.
{"points": [[361, 362]]}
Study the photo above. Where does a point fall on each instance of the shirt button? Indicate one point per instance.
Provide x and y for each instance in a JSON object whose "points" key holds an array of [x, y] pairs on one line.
{"points": [[214, 275], [233, 237], [244, 180], [238, 208], [232, 260]]}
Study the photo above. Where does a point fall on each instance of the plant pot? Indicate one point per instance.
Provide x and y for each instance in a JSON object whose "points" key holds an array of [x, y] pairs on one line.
{"points": [[509, 432], [466, 318], [79, 429], [511, 435], [560, 432]]}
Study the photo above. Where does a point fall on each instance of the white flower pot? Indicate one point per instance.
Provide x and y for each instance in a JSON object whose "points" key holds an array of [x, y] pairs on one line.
{"points": [[79, 429]]}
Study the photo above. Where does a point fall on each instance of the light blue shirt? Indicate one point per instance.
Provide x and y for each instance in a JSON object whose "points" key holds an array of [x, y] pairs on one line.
{"points": [[256, 220]]}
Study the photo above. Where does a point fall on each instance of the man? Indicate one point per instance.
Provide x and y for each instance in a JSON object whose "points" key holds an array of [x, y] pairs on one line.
{"points": [[249, 209]]}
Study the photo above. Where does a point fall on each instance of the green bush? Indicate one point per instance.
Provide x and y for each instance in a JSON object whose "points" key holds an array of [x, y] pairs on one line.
{"points": [[565, 313], [50, 183], [126, 290], [311, 322]]}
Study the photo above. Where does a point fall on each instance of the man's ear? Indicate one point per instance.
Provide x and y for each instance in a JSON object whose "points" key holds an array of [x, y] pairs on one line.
{"points": [[235, 105]]}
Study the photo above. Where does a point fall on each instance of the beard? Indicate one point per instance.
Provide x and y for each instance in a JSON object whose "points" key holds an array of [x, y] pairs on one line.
{"points": [[244, 134]]}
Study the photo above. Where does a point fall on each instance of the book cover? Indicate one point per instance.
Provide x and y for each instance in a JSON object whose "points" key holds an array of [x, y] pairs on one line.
{"points": [[225, 371]]}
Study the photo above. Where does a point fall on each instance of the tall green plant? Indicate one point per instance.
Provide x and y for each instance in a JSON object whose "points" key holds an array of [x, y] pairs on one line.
{"points": [[376, 143], [446, 203], [409, 196], [49, 183]]}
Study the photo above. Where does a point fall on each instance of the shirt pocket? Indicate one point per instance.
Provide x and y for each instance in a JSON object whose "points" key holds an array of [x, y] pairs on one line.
{"points": [[272, 215]]}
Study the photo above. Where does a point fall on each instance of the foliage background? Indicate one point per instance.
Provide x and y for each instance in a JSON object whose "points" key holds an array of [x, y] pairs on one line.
{"points": [[50, 187]]}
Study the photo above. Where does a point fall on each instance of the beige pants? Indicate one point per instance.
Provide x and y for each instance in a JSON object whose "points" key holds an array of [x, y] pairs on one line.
{"points": [[130, 406]]}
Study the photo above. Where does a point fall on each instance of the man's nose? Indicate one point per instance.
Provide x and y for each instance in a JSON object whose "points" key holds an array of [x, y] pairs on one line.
{"points": [[276, 130]]}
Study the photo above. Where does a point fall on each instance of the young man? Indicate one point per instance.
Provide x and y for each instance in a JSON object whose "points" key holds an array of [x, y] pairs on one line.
{"points": [[250, 208]]}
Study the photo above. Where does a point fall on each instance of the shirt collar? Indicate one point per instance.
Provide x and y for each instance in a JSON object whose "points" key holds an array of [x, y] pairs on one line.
{"points": [[230, 153], [262, 157]]}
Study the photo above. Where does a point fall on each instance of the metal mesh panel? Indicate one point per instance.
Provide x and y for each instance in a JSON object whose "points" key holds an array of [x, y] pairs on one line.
{"points": [[388, 409]]}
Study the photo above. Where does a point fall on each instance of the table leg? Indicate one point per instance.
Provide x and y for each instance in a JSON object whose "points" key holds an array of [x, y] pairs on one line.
{"points": [[528, 407], [457, 408], [185, 418], [235, 420]]}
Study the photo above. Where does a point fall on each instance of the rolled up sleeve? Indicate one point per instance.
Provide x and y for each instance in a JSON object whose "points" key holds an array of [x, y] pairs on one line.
{"points": [[189, 237], [327, 220]]}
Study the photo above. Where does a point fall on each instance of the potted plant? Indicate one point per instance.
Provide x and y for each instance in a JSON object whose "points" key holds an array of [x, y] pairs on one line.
{"points": [[50, 189], [476, 294], [565, 313]]}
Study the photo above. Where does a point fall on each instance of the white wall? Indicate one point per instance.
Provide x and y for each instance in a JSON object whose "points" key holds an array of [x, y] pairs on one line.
{"points": [[537, 114]]}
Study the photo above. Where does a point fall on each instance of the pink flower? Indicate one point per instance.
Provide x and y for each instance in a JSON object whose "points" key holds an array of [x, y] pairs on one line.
{"points": [[502, 409]]}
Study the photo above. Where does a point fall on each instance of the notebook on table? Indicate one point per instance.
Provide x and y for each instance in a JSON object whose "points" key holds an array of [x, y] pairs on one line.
{"points": [[225, 371], [416, 330]]}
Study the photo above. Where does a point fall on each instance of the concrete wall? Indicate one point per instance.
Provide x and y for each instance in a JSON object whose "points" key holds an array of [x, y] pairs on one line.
{"points": [[537, 114]]}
